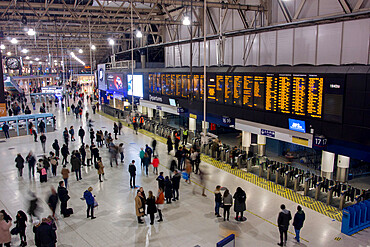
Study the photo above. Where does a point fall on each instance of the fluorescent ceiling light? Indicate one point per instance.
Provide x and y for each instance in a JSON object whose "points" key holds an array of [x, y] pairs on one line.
{"points": [[8, 53], [186, 21], [37, 59], [139, 34], [31, 62], [31, 32], [80, 51], [2, 47], [24, 51], [14, 41], [111, 41], [93, 47], [40, 62], [27, 57]]}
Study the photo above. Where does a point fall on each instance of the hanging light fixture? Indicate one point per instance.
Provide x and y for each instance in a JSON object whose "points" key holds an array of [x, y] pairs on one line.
{"points": [[2, 47], [80, 51], [186, 21], [24, 51], [93, 47], [111, 41], [14, 41], [31, 32], [139, 34]]}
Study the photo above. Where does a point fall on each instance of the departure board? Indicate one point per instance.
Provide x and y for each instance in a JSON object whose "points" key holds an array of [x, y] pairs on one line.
{"points": [[229, 81], [168, 84], [196, 86], [220, 88], [178, 85], [159, 84], [172, 90], [189, 87], [150, 83], [184, 85], [211, 94], [315, 88], [259, 92], [238, 90], [248, 91], [299, 95], [201, 87], [163, 82], [285, 93]]}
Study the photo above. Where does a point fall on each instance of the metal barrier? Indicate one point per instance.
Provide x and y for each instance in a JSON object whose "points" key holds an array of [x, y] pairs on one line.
{"points": [[330, 195], [342, 200], [296, 182], [317, 191], [356, 218]]}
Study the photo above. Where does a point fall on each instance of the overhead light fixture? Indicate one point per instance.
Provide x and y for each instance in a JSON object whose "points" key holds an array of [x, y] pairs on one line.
{"points": [[24, 51], [2, 47], [139, 34], [40, 62], [28, 58], [14, 41], [93, 47], [8, 53], [186, 21], [31, 32], [77, 59], [55, 61], [111, 41], [31, 62], [37, 59], [80, 51]]}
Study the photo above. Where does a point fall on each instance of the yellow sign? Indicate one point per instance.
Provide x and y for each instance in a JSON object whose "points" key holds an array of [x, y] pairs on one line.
{"points": [[2, 109], [300, 141], [192, 116]]}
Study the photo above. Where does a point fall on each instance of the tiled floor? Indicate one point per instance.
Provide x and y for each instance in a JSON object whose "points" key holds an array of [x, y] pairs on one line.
{"points": [[188, 222]]}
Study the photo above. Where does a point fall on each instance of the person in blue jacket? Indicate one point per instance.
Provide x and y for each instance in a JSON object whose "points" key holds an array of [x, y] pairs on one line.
{"points": [[299, 218], [89, 198]]}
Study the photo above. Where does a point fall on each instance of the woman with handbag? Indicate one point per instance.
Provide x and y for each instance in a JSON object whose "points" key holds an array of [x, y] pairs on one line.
{"points": [[90, 201], [5, 237], [20, 222], [139, 207], [152, 209]]}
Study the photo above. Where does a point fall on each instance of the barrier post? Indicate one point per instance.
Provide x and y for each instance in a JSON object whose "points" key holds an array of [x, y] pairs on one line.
{"points": [[342, 199], [330, 195], [278, 174], [317, 190], [306, 186], [269, 171]]}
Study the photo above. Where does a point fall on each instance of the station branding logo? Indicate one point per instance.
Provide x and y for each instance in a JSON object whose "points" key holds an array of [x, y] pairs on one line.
{"points": [[155, 98]]}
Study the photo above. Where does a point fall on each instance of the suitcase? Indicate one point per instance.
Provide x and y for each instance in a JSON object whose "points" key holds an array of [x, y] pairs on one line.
{"points": [[69, 211]]}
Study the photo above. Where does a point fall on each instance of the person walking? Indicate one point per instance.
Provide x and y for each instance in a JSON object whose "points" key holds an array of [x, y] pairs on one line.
{"points": [[72, 133], [141, 155], [81, 134], [179, 156], [66, 136], [88, 155], [5, 128], [42, 127], [100, 169], [65, 153], [139, 207], [83, 154], [155, 164], [5, 237], [188, 170], [146, 161], [90, 201], [63, 197], [31, 164], [46, 234], [92, 136], [283, 224], [119, 127], [160, 180], [21, 225], [239, 203], [160, 203], [176, 185], [43, 141], [227, 202], [218, 200], [298, 220], [169, 144], [115, 131], [53, 201], [121, 150], [76, 166], [132, 171], [168, 189], [154, 146], [56, 147], [19, 163], [54, 163], [34, 132], [185, 136], [65, 175], [151, 209]]}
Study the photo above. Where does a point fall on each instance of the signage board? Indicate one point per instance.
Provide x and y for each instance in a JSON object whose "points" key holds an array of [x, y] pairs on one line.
{"points": [[269, 133], [297, 125], [192, 116]]}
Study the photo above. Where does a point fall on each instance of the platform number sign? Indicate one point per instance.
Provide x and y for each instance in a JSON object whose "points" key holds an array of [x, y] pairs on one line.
{"points": [[320, 142], [227, 120]]}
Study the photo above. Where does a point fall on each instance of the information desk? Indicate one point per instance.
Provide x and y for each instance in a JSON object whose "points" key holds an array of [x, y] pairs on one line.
{"points": [[19, 125]]}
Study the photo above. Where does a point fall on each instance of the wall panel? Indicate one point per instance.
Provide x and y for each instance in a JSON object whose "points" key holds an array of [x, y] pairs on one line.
{"points": [[238, 47], [268, 48], [252, 49], [284, 52], [329, 43], [305, 45]]}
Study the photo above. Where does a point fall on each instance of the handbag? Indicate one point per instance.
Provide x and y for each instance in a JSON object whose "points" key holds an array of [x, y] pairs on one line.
{"points": [[141, 210], [95, 203], [14, 231]]}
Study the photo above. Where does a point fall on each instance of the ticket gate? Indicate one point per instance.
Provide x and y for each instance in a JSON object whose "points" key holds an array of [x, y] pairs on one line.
{"points": [[317, 190], [287, 178], [307, 182], [330, 195], [297, 178], [278, 175], [342, 199], [269, 172]]}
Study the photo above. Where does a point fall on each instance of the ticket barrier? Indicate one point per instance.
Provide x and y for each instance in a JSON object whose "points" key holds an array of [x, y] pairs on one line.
{"points": [[356, 218], [227, 155], [317, 190], [278, 175], [261, 168], [287, 178], [269, 172], [242, 162], [249, 164], [297, 179], [307, 182], [330, 195], [342, 199]]}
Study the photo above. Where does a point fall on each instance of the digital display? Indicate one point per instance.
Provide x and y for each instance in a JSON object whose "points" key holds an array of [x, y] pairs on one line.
{"points": [[271, 92], [173, 102], [297, 125], [220, 88], [229, 81], [168, 84], [189, 86], [178, 86], [163, 83], [284, 93], [115, 82], [259, 92], [196, 86], [314, 96], [159, 84], [211, 95], [136, 87], [201, 86], [238, 92], [299, 95], [151, 83], [248, 91], [184, 84]]}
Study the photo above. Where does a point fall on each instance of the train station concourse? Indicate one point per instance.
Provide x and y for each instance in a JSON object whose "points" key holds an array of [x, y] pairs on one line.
{"points": [[185, 123]]}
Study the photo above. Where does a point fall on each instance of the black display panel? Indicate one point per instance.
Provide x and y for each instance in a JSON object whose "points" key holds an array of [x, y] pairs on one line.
{"points": [[285, 93], [159, 84], [314, 96], [229, 82], [178, 85], [196, 86], [299, 94], [184, 85], [333, 98], [211, 90], [248, 90], [151, 84], [272, 88], [220, 88], [259, 92], [238, 90]]}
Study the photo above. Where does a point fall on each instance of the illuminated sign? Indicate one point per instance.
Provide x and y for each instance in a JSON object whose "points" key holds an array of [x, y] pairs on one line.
{"points": [[297, 125]]}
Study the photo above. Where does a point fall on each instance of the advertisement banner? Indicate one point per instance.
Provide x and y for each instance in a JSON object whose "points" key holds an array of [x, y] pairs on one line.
{"points": [[3, 109], [102, 85]]}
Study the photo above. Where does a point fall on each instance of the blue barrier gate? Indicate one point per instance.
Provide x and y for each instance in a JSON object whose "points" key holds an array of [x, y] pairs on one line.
{"points": [[356, 217]]}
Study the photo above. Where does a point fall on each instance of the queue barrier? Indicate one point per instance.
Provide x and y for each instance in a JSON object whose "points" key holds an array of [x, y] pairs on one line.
{"points": [[356, 217]]}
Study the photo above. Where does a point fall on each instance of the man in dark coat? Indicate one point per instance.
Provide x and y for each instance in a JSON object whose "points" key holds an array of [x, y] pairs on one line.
{"points": [[81, 134], [65, 153], [176, 185], [6, 130], [76, 166], [299, 218], [160, 180], [46, 234], [56, 147], [283, 224], [132, 171], [43, 141], [63, 197], [42, 126]]}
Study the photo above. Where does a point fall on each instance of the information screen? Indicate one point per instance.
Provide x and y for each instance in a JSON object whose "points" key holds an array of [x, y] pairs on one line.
{"points": [[285, 93], [314, 96], [163, 83], [211, 95], [259, 92], [248, 91], [238, 90], [135, 86], [189, 87], [184, 85], [196, 86], [168, 84], [229, 81], [271, 92], [115, 82], [172, 85], [299, 95], [159, 84], [220, 88], [178, 86], [150, 78], [201, 86]]}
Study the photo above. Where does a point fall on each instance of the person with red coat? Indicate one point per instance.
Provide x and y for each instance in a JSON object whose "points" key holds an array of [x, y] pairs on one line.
{"points": [[155, 164]]}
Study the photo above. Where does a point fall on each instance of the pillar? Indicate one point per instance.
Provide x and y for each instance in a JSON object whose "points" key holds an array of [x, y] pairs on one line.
{"points": [[205, 125], [144, 110], [150, 113], [161, 115], [192, 124], [342, 168], [327, 164], [114, 102], [261, 141], [140, 109], [246, 140]]}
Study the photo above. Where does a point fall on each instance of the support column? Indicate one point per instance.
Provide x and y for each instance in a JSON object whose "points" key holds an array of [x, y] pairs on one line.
{"points": [[192, 125], [205, 125], [114, 102], [161, 115], [327, 164], [140, 109], [144, 110], [246, 140], [342, 168], [150, 113], [261, 141]]}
